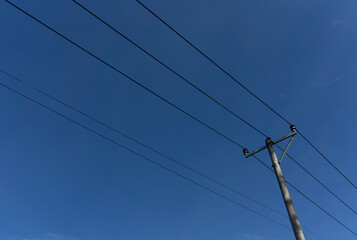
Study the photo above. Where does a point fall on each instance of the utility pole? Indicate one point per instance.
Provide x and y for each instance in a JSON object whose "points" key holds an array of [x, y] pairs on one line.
{"points": [[299, 235]]}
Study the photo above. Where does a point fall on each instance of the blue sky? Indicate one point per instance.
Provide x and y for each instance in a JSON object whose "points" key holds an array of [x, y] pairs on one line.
{"points": [[61, 182]]}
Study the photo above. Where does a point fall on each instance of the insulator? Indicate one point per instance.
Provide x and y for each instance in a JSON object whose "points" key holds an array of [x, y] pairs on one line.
{"points": [[245, 151]]}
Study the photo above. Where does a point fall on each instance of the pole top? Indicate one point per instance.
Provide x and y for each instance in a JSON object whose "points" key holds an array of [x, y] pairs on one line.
{"points": [[268, 140]]}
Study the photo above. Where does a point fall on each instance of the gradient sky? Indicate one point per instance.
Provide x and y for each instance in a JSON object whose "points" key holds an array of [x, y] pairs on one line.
{"points": [[61, 182]]}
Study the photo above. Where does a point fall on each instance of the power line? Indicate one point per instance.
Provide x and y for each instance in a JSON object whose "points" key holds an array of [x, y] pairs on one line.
{"points": [[321, 183], [302, 135], [209, 59], [207, 95], [148, 147], [168, 68], [144, 157], [140, 143], [245, 88], [131, 79], [310, 200], [127, 76]]}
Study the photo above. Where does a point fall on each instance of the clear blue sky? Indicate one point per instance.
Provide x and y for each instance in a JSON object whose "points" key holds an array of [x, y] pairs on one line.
{"points": [[61, 182]]}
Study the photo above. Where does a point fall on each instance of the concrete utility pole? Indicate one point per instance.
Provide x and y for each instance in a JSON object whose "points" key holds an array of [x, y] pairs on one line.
{"points": [[299, 235]]}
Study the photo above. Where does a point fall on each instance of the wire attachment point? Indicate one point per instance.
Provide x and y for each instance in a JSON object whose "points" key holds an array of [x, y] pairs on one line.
{"points": [[245, 152]]}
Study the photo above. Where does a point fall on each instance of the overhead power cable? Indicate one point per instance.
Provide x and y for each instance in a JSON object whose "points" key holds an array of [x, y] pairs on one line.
{"points": [[168, 68], [323, 155], [141, 143], [148, 147], [245, 88], [131, 79], [144, 157], [304, 195], [207, 95], [323, 185], [126, 76]]}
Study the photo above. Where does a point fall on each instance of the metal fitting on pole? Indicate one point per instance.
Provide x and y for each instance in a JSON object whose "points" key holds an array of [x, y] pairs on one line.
{"points": [[295, 223], [245, 152]]}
